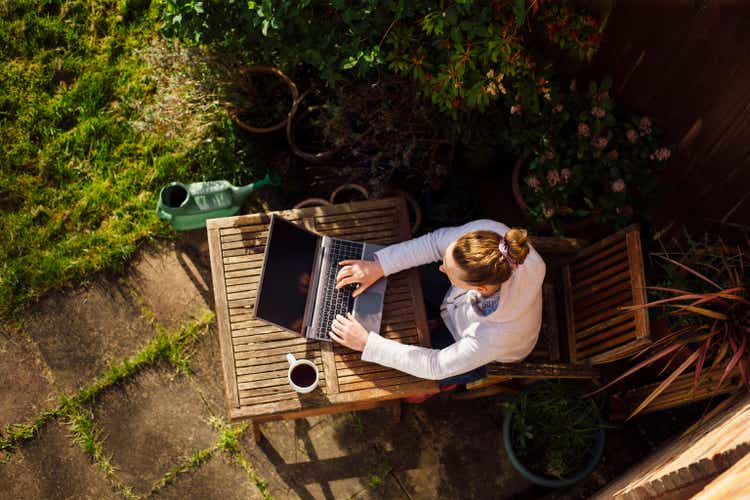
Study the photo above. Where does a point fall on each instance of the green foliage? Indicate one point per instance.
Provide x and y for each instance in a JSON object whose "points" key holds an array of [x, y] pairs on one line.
{"points": [[340, 39], [553, 429], [81, 162], [586, 156], [466, 55], [448, 48]]}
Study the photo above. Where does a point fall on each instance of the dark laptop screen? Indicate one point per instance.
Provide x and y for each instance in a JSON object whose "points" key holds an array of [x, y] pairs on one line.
{"points": [[286, 275]]}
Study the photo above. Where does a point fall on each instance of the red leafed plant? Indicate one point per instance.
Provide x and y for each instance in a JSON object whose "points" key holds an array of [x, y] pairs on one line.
{"points": [[709, 317]]}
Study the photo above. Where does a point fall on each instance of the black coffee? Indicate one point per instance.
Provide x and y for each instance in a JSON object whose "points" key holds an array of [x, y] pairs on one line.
{"points": [[303, 375]]}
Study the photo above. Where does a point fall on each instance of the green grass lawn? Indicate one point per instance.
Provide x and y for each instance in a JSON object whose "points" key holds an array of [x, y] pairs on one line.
{"points": [[97, 112]]}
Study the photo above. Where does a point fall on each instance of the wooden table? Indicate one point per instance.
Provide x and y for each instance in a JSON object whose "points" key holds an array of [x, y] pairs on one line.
{"points": [[253, 351]]}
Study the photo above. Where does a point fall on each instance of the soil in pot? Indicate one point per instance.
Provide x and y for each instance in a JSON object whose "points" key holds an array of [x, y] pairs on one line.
{"points": [[307, 132], [261, 99]]}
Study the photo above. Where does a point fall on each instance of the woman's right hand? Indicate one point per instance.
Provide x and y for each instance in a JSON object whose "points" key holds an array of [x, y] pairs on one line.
{"points": [[363, 272]]}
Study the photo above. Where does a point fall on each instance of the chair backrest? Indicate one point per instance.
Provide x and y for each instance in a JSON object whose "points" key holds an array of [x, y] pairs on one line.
{"points": [[598, 281]]}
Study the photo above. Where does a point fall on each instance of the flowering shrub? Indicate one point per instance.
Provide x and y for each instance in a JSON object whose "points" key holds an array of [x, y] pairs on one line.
{"points": [[586, 157], [468, 54]]}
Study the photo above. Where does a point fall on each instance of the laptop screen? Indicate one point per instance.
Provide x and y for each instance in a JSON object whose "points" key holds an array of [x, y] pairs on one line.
{"points": [[286, 275]]}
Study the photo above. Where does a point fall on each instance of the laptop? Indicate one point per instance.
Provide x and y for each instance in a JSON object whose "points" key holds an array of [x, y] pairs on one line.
{"points": [[297, 289]]}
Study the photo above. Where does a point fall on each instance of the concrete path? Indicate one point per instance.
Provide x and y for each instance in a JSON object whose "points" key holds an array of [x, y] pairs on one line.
{"points": [[160, 431]]}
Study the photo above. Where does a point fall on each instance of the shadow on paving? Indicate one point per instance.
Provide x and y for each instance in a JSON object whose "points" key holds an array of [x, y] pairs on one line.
{"points": [[441, 449]]}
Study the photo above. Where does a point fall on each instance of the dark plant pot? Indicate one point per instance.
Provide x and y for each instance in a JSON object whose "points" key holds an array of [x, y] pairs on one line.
{"points": [[295, 116], [567, 226], [234, 113], [549, 482]]}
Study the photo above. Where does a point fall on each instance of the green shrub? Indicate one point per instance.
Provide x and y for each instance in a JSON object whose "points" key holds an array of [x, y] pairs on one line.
{"points": [[463, 54]]}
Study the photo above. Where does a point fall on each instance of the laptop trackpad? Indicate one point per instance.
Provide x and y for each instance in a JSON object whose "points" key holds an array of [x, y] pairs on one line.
{"points": [[368, 307]]}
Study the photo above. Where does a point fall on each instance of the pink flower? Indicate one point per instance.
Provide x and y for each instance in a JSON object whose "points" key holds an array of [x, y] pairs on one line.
{"points": [[645, 125], [618, 186], [557, 109], [565, 174], [553, 177], [661, 154], [613, 155], [603, 96], [549, 212], [548, 155], [600, 142], [516, 109], [533, 182], [598, 112], [584, 130], [632, 135]]}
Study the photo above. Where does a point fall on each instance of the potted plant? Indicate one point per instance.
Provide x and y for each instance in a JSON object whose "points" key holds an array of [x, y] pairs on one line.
{"points": [[581, 158], [553, 437], [704, 296]]}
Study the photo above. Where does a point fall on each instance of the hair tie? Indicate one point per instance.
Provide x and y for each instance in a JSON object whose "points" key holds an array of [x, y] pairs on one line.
{"points": [[505, 253]]}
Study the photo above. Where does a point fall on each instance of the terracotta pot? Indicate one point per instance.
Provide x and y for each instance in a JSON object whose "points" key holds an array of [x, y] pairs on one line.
{"points": [[268, 70], [294, 116], [567, 227], [351, 186]]}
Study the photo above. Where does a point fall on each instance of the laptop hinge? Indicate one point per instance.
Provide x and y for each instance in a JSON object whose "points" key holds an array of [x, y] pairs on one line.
{"points": [[312, 296]]}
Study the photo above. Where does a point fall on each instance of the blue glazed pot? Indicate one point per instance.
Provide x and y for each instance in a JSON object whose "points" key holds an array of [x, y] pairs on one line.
{"points": [[546, 481]]}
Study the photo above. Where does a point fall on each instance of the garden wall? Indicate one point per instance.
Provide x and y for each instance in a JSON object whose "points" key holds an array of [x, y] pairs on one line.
{"points": [[687, 64]]}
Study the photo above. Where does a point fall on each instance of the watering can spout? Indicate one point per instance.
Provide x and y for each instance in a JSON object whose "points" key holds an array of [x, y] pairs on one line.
{"points": [[241, 193]]}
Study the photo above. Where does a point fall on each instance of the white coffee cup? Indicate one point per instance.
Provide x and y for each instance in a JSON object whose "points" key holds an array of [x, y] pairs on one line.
{"points": [[299, 365]]}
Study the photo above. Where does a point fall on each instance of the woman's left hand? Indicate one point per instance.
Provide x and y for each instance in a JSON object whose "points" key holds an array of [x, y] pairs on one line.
{"points": [[348, 332]]}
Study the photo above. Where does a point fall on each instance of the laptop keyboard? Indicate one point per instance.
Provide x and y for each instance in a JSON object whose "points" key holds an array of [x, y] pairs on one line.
{"points": [[335, 301]]}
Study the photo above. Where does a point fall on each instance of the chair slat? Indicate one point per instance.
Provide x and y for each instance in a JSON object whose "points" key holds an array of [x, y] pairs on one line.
{"points": [[599, 281]]}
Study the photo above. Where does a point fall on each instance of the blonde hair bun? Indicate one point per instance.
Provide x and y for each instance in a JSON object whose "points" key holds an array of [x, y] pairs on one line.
{"points": [[518, 244]]}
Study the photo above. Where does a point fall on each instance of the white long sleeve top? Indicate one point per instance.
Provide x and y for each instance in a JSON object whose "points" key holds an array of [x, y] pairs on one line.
{"points": [[507, 335]]}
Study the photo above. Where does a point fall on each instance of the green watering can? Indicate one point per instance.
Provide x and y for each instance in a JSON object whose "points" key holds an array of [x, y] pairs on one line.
{"points": [[189, 206]]}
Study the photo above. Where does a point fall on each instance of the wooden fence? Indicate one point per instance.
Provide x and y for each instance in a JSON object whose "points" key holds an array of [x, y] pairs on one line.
{"points": [[687, 64]]}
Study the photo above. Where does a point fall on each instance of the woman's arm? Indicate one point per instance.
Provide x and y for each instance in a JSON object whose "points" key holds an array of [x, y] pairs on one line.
{"points": [[472, 351], [427, 248], [434, 364]]}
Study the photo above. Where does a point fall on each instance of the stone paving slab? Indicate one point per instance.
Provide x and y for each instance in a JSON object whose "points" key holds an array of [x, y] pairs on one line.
{"points": [[461, 452], [174, 280], [82, 331], [305, 458], [52, 466], [27, 388], [221, 478], [151, 425], [206, 372]]}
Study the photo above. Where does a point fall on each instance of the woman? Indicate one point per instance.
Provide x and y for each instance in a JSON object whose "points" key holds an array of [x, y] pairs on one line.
{"points": [[492, 311]]}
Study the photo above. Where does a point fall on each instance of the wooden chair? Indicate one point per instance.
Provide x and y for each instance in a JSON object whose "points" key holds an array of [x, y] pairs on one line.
{"points": [[582, 324], [602, 278]]}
